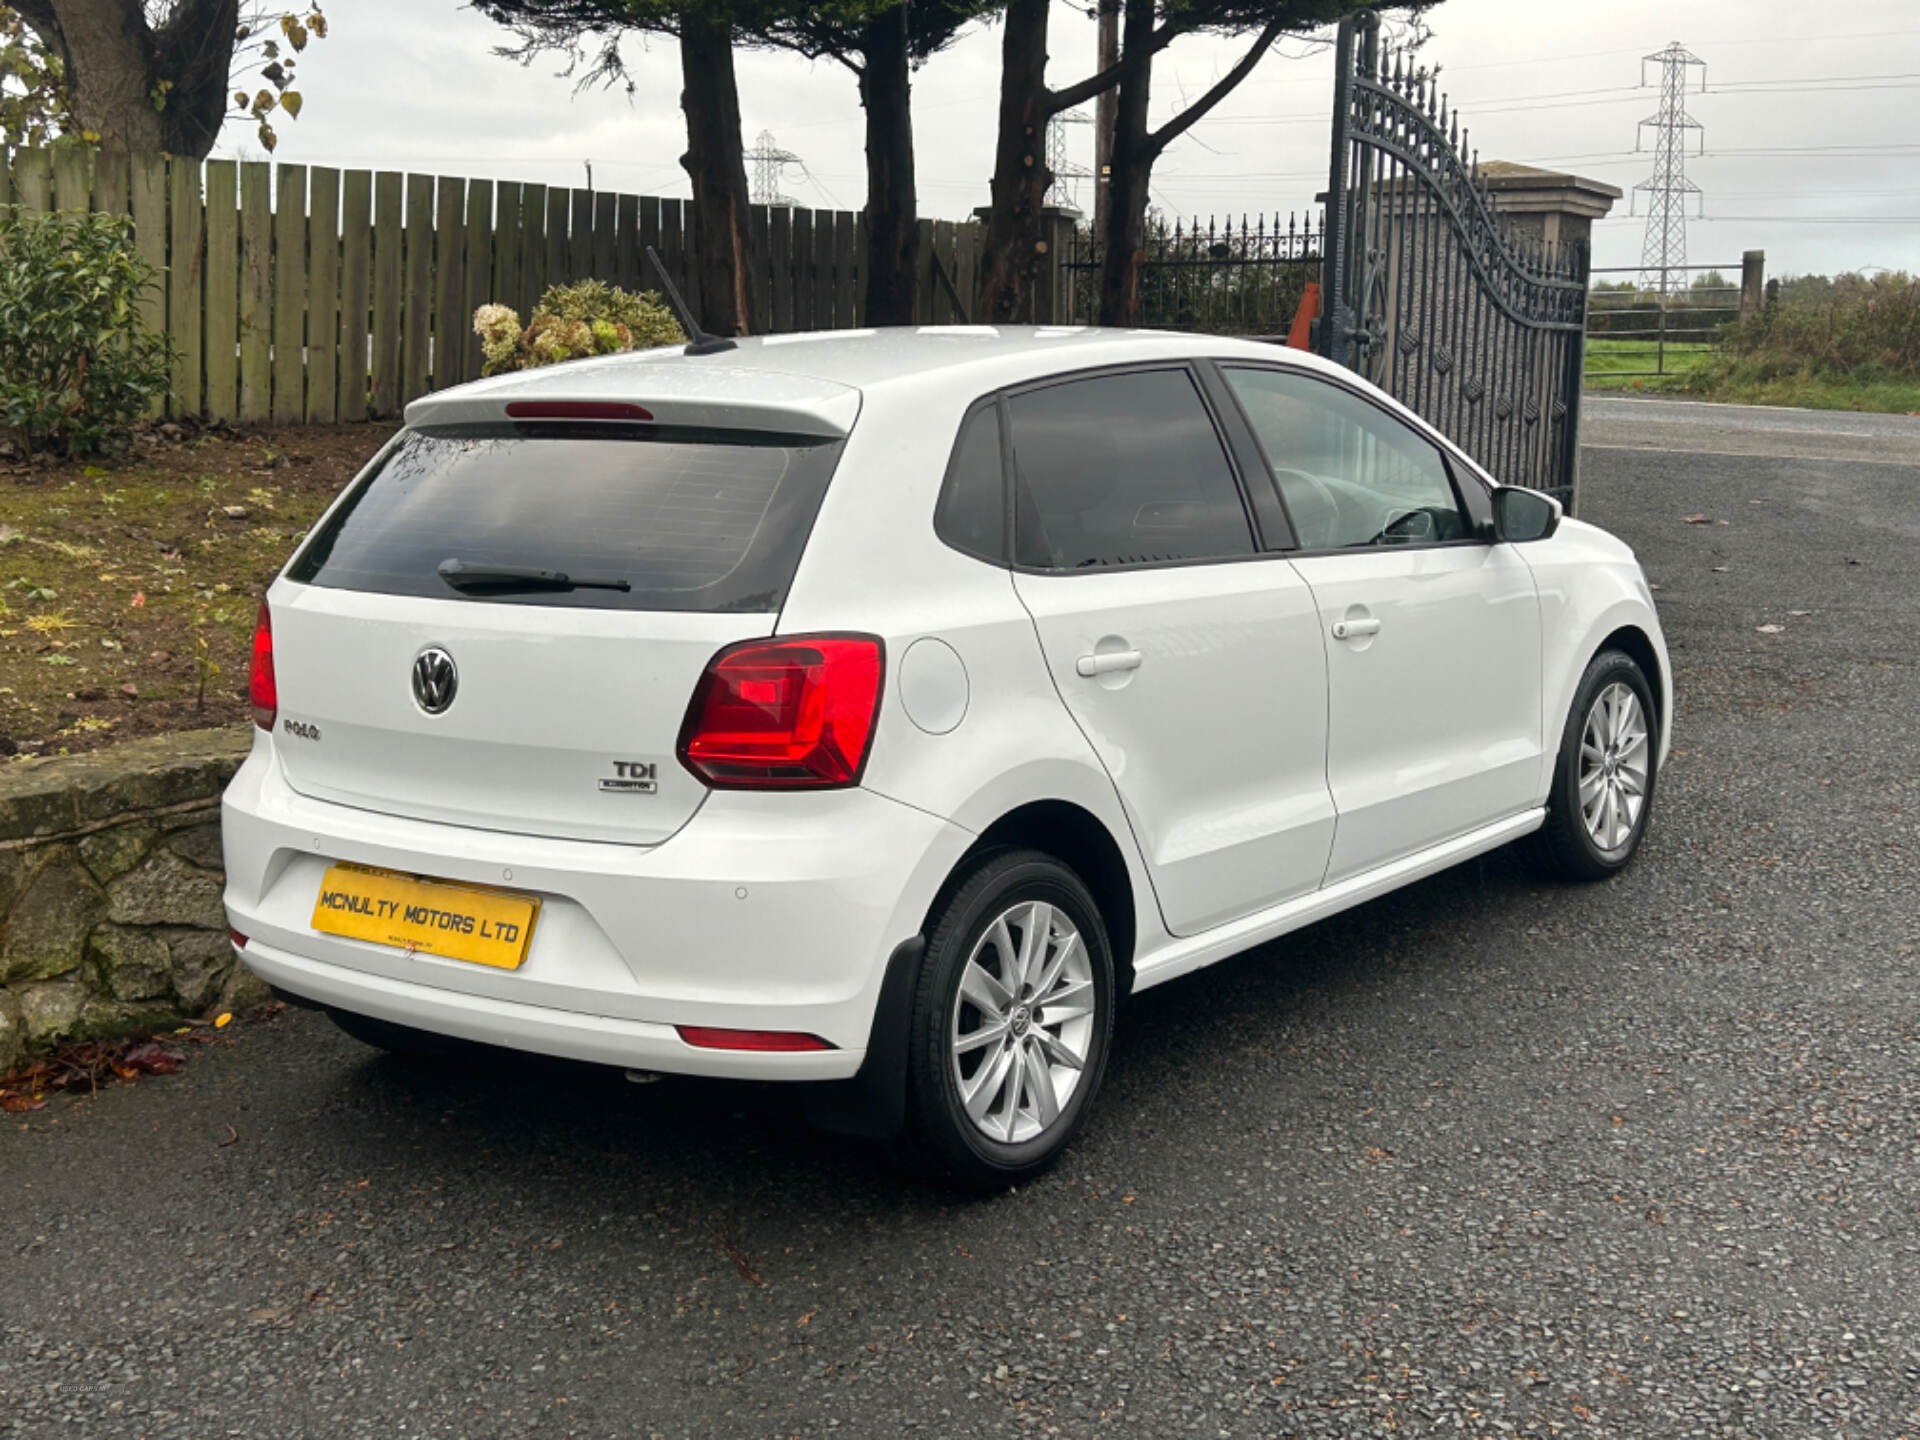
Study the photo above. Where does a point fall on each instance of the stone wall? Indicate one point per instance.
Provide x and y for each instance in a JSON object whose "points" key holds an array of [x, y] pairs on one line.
{"points": [[110, 881]]}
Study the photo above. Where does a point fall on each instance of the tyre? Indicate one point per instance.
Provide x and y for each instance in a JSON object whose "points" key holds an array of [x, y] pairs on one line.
{"points": [[1603, 780], [401, 1040], [1011, 1020]]}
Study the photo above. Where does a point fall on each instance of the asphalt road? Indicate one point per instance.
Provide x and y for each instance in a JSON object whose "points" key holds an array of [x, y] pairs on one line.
{"points": [[1489, 1157]]}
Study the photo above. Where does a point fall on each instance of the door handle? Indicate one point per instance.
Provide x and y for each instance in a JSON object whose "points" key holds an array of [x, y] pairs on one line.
{"points": [[1107, 663], [1354, 629]]}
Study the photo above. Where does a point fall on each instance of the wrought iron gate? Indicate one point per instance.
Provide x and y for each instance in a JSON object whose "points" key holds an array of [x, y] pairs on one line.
{"points": [[1432, 295], [1219, 277]]}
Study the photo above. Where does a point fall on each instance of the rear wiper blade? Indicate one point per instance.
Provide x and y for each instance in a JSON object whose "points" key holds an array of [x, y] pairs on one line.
{"points": [[501, 578]]}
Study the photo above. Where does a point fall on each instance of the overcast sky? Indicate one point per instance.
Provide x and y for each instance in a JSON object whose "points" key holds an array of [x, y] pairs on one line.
{"points": [[1812, 151]]}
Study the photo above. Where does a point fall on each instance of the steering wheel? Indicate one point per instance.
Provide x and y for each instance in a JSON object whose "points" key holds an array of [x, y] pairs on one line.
{"points": [[1392, 534], [1323, 525]]}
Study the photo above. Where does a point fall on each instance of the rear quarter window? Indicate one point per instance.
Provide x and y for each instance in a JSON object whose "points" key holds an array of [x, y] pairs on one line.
{"points": [[699, 520]]}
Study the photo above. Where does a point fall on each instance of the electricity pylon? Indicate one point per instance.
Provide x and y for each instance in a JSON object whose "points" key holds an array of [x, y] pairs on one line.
{"points": [[1067, 174], [1667, 190], [768, 160]]}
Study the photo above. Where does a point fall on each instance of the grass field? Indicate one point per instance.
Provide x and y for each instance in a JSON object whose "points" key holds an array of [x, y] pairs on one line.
{"points": [[1609, 360]]}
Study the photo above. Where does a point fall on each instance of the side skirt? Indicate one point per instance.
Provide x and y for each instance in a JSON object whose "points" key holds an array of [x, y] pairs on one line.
{"points": [[1195, 952]]}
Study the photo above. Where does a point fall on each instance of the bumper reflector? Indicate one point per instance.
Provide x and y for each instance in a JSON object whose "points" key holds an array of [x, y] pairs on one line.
{"points": [[237, 938], [706, 1037]]}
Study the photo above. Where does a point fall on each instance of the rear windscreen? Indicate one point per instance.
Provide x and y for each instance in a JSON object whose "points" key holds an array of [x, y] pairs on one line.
{"points": [[687, 519]]}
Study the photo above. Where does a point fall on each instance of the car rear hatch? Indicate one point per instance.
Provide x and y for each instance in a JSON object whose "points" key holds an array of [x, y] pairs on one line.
{"points": [[502, 622]]}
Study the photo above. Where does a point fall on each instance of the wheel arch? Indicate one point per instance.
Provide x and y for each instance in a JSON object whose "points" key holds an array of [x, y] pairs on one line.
{"points": [[1078, 839], [1635, 643], [873, 1102]]}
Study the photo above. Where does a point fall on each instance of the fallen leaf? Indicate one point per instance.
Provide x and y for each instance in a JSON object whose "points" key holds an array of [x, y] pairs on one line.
{"points": [[1799, 613], [222, 1019], [1720, 569], [21, 1104], [1699, 519], [1771, 629], [807, 1319], [154, 1058], [139, 598]]}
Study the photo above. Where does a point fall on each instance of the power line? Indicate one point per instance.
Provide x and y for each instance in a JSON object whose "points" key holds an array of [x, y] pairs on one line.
{"points": [[1716, 44], [1620, 95], [1784, 219]]}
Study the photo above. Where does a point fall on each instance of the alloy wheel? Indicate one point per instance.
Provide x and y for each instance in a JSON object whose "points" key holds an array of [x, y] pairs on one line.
{"points": [[1614, 751], [1023, 1022]]}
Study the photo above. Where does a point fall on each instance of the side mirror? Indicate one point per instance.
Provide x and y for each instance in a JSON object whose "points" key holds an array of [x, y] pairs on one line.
{"points": [[1521, 515]]}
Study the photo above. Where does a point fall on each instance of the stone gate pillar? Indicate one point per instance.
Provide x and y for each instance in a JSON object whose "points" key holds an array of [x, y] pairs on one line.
{"points": [[1551, 205]]}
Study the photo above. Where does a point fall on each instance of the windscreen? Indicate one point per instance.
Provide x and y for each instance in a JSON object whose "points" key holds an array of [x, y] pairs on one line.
{"points": [[707, 520]]}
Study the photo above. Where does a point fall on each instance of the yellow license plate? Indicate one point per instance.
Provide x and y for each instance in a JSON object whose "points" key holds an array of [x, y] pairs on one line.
{"points": [[458, 922]]}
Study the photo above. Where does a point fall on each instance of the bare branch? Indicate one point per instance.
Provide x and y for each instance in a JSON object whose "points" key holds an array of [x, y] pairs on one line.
{"points": [[1082, 91], [1223, 87]]}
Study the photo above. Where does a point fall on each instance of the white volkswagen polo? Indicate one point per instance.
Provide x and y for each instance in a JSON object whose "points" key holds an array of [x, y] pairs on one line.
{"points": [[876, 710]]}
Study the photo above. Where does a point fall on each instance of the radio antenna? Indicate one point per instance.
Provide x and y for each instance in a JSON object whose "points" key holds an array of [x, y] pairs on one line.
{"points": [[699, 342]]}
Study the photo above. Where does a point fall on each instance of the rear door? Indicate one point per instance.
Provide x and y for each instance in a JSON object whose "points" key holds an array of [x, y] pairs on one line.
{"points": [[1193, 665], [474, 694], [1433, 631]]}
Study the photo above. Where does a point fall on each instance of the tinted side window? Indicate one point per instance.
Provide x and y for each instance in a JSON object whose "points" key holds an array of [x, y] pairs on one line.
{"points": [[972, 514], [1352, 475], [1122, 470]]}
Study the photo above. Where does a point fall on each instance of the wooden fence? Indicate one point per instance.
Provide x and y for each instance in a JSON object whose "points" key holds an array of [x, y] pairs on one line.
{"points": [[297, 293]]}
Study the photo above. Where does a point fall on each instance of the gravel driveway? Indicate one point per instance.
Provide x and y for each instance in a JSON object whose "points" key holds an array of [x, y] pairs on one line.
{"points": [[1489, 1157]]}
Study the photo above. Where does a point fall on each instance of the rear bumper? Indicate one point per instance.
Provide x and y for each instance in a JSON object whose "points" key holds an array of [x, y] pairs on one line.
{"points": [[764, 912]]}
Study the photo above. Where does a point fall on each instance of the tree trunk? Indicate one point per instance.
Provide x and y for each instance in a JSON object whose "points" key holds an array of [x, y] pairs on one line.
{"points": [[196, 55], [133, 87], [716, 164], [1123, 245], [892, 260], [1016, 236]]}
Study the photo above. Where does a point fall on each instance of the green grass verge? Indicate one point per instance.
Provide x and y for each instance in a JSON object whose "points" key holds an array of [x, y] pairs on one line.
{"points": [[1811, 392], [1702, 372]]}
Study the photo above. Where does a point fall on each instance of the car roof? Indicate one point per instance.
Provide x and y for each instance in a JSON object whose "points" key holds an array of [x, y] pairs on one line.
{"points": [[814, 379], [866, 359]]}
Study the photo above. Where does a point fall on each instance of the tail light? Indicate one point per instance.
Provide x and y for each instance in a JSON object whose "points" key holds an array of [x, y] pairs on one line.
{"points": [[787, 714], [260, 684]]}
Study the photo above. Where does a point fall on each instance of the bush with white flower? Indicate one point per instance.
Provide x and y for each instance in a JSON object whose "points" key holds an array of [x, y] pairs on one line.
{"points": [[572, 322]]}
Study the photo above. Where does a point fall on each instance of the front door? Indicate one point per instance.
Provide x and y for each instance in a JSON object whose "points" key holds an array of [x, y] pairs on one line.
{"points": [[1194, 667], [1433, 634]]}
